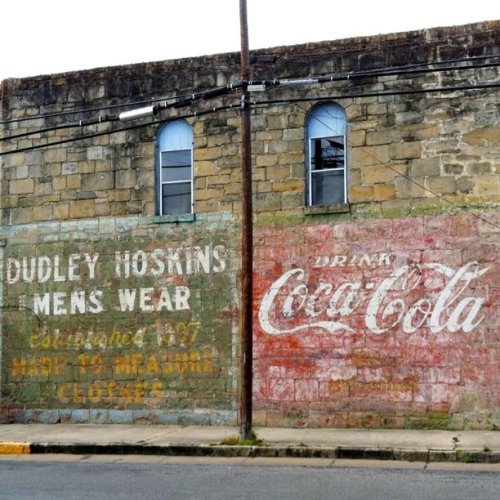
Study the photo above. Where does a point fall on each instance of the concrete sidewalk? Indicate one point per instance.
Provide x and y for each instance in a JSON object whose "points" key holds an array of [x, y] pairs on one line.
{"points": [[382, 444]]}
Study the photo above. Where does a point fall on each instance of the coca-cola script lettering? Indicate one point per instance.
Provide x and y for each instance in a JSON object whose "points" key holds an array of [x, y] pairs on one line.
{"points": [[410, 298]]}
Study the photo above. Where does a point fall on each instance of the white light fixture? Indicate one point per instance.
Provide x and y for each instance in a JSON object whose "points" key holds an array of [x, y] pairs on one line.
{"points": [[136, 114]]}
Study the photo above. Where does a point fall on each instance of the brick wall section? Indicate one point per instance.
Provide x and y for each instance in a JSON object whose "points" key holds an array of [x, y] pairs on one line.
{"points": [[119, 320], [394, 320], [376, 324], [447, 142]]}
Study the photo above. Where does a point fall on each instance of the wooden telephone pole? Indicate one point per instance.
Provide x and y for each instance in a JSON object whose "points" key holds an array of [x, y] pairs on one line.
{"points": [[246, 313]]}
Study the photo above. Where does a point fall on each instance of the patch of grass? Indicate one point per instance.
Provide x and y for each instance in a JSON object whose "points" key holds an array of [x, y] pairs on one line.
{"points": [[468, 458], [253, 440], [231, 441]]}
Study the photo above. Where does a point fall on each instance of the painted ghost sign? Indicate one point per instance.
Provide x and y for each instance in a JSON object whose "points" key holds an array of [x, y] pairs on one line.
{"points": [[118, 324], [328, 307], [380, 320]]}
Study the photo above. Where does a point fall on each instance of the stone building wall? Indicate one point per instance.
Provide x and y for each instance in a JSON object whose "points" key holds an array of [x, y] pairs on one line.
{"points": [[95, 282]]}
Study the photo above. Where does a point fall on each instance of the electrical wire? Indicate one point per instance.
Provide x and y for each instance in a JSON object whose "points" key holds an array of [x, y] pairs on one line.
{"points": [[272, 101], [399, 70], [282, 101], [381, 93], [407, 177], [80, 124], [186, 100], [122, 129]]}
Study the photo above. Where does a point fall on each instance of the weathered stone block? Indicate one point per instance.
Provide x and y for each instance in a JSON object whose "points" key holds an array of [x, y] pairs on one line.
{"points": [[382, 192], [405, 150], [381, 174], [360, 194], [479, 168], [73, 182], [22, 172], [278, 173], [356, 138], [79, 209], [487, 185], [58, 183], [125, 179], [483, 136], [43, 212], [424, 167], [288, 186], [69, 168], [61, 211], [291, 158], [95, 153], [97, 182], [442, 185], [55, 155], [205, 168], [207, 154], [277, 122], [21, 186], [453, 169], [410, 188], [369, 155], [266, 160]]}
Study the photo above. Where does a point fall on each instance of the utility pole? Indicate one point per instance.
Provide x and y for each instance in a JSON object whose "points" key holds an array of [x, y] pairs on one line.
{"points": [[246, 282]]}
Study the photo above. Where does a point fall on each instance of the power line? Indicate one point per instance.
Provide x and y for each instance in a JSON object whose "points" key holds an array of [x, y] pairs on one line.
{"points": [[217, 91], [283, 101], [221, 91], [265, 103], [178, 101], [407, 177], [381, 93], [122, 129]]}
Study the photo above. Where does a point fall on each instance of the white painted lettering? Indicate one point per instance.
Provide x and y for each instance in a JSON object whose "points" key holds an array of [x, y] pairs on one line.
{"points": [[145, 299], [182, 294], [139, 263], [91, 261], [219, 254], [122, 264], [127, 299], [73, 267], [289, 304], [13, 271], [164, 301], [58, 303]]}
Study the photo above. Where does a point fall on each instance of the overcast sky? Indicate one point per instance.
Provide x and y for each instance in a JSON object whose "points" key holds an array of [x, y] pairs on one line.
{"points": [[52, 36]]}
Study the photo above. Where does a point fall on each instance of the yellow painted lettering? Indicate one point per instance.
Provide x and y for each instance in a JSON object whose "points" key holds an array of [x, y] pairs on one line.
{"points": [[61, 393], [121, 364], [152, 365], [82, 363], [18, 367]]}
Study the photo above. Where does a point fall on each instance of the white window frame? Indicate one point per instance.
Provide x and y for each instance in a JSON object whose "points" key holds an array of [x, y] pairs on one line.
{"points": [[325, 121], [176, 135]]}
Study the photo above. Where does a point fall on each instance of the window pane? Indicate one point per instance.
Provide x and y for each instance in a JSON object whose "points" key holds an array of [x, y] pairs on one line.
{"points": [[328, 187], [327, 152], [176, 165], [176, 198], [175, 174]]}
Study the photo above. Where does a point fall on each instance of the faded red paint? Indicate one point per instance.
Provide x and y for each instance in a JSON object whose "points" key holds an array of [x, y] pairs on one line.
{"points": [[350, 360]]}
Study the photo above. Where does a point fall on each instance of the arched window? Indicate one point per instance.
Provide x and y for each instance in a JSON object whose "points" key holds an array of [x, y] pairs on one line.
{"points": [[326, 181], [174, 170]]}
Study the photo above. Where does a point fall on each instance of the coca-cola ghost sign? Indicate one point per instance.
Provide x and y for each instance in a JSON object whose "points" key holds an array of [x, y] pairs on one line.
{"points": [[402, 300]]}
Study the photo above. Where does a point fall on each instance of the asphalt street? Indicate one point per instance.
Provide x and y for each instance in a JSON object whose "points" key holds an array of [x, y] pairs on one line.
{"points": [[115, 477]]}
